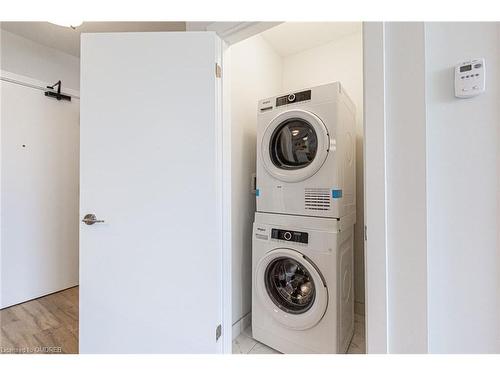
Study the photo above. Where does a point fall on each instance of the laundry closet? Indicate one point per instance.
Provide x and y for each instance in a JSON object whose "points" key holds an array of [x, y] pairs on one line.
{"points": [[288, 62], [156, 216]]}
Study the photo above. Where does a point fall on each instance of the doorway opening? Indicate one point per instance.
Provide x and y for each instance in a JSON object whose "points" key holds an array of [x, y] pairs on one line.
{"points": [[288, 59]]}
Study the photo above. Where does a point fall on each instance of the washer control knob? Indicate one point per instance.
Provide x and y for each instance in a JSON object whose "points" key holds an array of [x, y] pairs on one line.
{"points": [[291, 97], [287, 236]]}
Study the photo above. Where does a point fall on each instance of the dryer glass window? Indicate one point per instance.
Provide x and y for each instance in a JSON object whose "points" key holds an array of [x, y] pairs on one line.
{"points": [[290, 285], [294, 144]]}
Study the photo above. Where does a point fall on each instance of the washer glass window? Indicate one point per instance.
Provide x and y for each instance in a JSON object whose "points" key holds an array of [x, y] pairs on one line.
{"points": [[289, 285], [294, 144]]}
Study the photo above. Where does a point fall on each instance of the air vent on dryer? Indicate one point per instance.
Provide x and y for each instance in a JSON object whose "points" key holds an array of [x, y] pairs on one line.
{"points": [[317, 199]]}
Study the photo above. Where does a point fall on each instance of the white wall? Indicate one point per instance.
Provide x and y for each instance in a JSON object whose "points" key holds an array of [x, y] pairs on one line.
{"points": [[406, 199], [255, 74], [340, 60], [25, 57], [39, 193], [462, 192], [39, 181], [442, 191]]}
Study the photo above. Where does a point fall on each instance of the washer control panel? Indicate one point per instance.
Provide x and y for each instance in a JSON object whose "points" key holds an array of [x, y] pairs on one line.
{"points": [[470, 78], [289, 235], [293, 98]]}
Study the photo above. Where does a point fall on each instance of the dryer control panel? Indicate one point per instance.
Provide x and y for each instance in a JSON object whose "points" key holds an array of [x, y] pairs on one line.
{"points": [[289, 235]]}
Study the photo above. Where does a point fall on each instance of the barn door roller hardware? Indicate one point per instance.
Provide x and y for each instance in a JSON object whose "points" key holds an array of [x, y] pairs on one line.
{"points": [[57, 95]]}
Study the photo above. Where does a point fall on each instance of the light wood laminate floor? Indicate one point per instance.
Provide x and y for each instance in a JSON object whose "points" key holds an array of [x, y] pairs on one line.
{"points": [[44, 325], [50, 325]]}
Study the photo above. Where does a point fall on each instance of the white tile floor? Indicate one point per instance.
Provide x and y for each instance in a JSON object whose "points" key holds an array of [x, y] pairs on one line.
{"points": [[245, 344]]}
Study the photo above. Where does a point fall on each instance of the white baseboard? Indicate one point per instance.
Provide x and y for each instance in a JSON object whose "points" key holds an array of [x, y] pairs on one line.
{"points": [[241, 324]]}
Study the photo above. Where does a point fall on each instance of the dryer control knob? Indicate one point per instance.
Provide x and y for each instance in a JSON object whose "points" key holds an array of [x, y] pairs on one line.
{"points": [[287, 236], [291, 97]]}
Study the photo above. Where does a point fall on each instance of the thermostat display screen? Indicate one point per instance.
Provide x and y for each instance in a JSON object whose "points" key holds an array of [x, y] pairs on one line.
{"points": [[465, 68]]}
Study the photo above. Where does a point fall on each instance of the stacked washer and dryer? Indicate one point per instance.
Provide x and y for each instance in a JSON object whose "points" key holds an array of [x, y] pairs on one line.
{"points": [[303, 234]]}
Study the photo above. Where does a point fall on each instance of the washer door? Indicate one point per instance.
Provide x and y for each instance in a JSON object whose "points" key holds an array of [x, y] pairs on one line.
{"points": [[291, 289], [295, 145]]}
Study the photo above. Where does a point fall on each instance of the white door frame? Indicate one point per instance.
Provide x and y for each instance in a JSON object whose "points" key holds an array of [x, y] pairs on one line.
{"points": [[375, 188], [19, 79], [224, 112]]}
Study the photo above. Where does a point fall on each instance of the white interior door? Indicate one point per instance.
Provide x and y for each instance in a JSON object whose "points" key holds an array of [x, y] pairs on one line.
{"points": [[39, 191], [151, 168]]}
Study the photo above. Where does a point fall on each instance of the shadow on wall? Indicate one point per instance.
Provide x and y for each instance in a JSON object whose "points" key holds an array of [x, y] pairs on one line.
{"points": [[242, 219], [359, 243]]}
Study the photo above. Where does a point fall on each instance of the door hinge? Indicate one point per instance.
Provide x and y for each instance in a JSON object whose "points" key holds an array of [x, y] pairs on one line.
{"points": [[218, 332], [218, 70], [366, 235]]}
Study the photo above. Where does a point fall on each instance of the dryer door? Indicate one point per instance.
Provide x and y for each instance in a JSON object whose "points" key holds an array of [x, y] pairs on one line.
{"points": [[295, 145], [291, 288]]}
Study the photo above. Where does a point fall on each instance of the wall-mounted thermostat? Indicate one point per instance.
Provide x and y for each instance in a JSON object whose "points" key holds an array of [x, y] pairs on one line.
{"points": [[470, 78]]}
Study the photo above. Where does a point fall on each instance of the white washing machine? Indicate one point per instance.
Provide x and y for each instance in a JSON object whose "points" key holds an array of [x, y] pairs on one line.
{"points": [[302, 278], [306, 153]]}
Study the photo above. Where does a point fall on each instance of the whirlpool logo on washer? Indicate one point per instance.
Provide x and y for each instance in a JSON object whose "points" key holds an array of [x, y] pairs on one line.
{"points": [[261, 233]]}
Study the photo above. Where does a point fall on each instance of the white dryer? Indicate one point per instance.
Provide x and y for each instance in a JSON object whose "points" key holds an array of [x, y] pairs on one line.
{"points": [[306, 153], [302, 274]]}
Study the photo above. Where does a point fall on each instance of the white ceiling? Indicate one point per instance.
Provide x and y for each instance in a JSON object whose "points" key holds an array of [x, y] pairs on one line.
{"points": [[286, 38], [291, 37], [68, 40]]}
